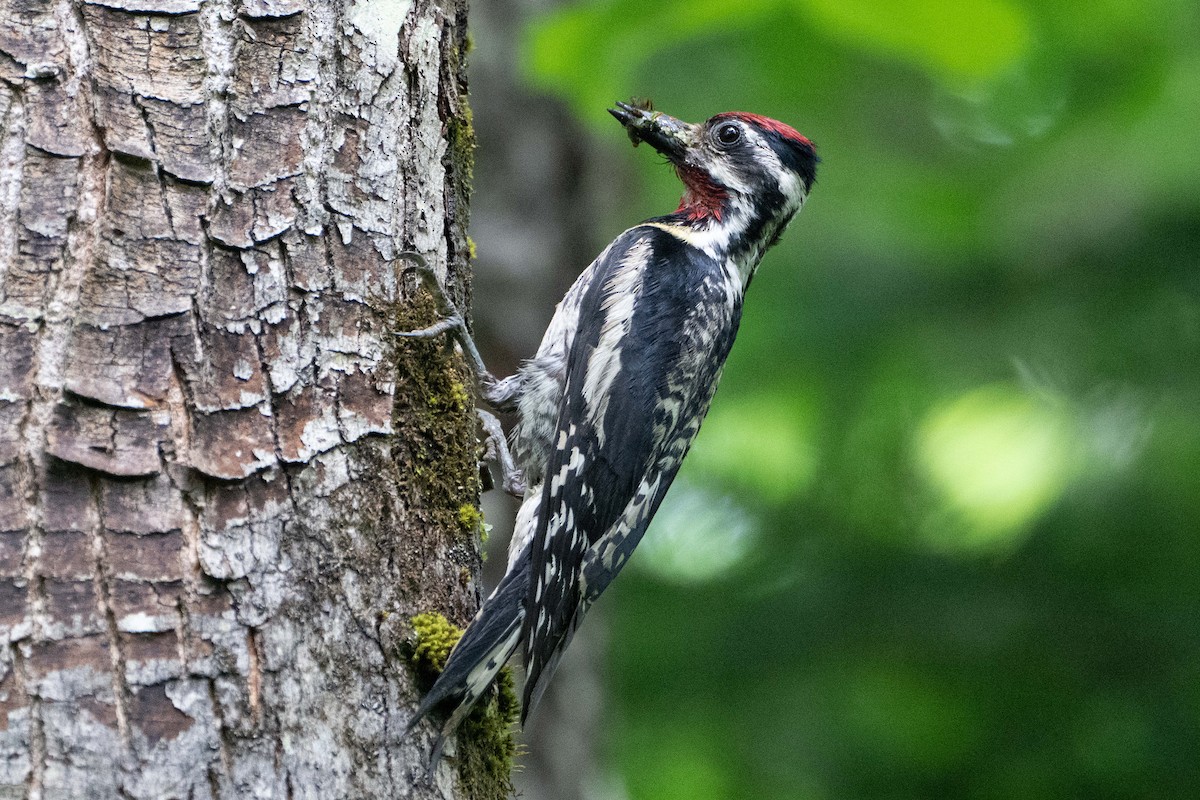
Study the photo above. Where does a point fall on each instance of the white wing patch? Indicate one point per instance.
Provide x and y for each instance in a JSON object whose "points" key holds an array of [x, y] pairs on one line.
{"points": [[617, 304], [526, 524], [482, 675]]}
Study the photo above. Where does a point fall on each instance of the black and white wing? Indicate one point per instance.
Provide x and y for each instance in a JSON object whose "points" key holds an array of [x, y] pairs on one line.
{"points": [[655, 327]]}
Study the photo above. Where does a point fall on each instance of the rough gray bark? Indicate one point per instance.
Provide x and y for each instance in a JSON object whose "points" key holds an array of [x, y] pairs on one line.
{"points": [[223, 489]]}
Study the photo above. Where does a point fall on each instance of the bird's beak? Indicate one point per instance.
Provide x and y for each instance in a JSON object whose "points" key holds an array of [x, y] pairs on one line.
{"points": [[667, 135]]}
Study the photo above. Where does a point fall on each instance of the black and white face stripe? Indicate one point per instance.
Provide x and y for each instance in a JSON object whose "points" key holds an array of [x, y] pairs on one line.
{"points": [[746, 176], [747, 155], [796, 153]]}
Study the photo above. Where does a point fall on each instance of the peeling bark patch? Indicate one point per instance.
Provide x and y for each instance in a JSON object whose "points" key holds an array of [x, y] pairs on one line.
{"points": [[53, 111], [136, 207], [126, 365], [125, 130], [232, 378], [16, 366], [242, 526], [12, 550], [48, 195], [310, 270], [149, 557], [12, 701], [179, 139], [11, 415], [67, 501], [115, 441], [215, 602], [364, 406], [235, 505], [103, 713], [276, 63], [88, 653], [71, 604], [67, 555], [31, 39], [150, 56], [231, 445], [361, 273], [136, 280], [143, 607], [12, 602], [255, 215], [143, 649], [266, 147], [307, 423], [153, 713], [146, 506], [230, 293], [14, 510]]}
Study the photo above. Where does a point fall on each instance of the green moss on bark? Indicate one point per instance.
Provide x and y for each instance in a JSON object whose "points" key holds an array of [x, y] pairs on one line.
{"points": [[435, 420], [485, 742]]}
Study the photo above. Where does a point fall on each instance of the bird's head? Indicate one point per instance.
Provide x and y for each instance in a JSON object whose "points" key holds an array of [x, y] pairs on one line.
{"points": [[743, 174]]}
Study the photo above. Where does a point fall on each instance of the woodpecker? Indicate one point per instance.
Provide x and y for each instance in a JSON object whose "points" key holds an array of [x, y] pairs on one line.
{"points": [[624, 375]]}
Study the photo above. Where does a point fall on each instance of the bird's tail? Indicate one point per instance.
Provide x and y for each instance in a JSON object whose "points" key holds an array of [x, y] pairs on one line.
{"points": [[485, 646]]}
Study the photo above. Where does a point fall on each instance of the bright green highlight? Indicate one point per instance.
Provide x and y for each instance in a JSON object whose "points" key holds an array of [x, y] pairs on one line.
{"points": [[997, 456], [962, 42], [760, 443]]}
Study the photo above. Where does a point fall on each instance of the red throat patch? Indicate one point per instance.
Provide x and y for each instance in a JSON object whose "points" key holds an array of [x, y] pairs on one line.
{"points": [[702, 199]]}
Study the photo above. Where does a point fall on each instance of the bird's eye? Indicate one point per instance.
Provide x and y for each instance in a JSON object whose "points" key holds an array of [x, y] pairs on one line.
{"points": [[729, 134]]}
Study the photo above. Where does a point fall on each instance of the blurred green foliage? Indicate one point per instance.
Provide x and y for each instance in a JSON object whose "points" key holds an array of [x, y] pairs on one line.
{"points": [[952, 473]]}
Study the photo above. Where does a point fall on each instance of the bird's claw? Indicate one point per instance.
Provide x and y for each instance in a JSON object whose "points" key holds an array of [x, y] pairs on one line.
{"points": [[452, 322]]}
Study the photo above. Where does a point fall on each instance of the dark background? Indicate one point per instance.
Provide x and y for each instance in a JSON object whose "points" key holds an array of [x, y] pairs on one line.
{"points": [[939, 535]]}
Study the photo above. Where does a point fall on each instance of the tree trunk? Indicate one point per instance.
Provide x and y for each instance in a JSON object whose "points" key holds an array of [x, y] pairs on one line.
{"points": [[224, 487]]}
